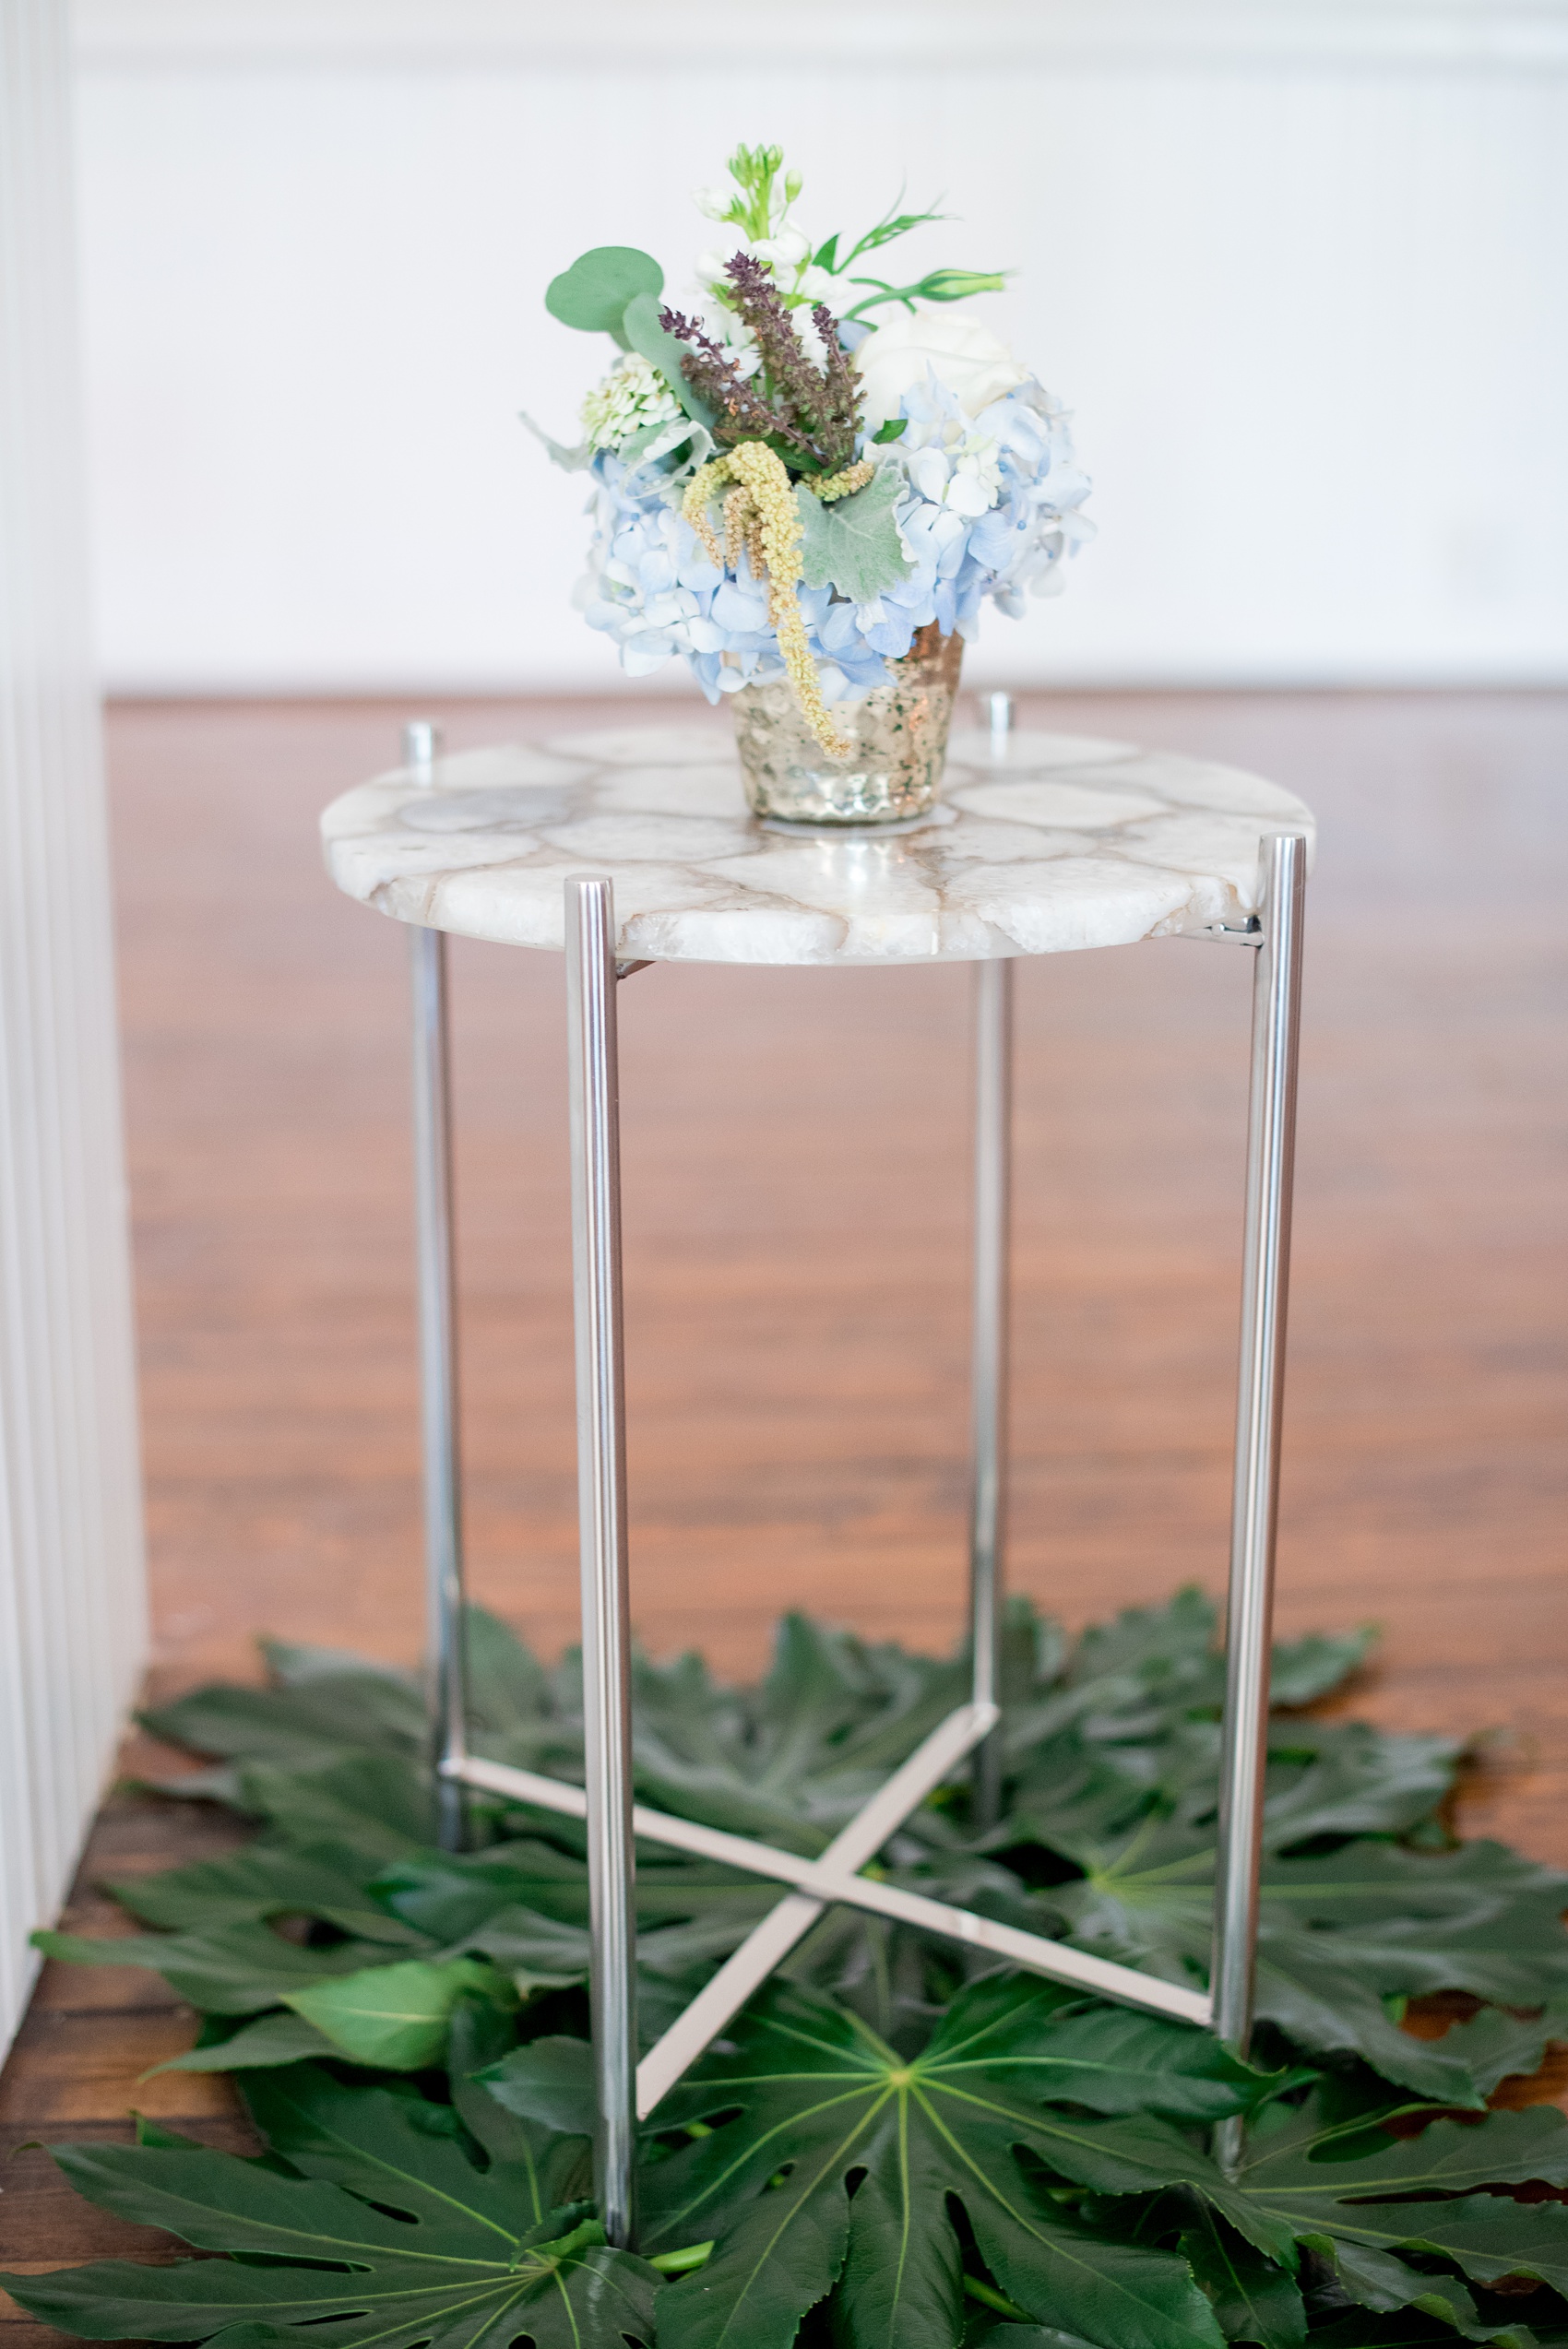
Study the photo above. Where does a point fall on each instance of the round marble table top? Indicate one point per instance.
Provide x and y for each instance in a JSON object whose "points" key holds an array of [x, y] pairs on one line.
{"points": [[1058, 841]]}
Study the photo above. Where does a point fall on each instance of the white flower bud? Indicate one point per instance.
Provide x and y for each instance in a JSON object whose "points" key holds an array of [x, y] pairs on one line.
{"points": [[713, 203]]}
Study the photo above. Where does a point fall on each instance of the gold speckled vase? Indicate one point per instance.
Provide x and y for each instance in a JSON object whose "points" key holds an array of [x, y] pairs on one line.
{"points": [[900, 732]]}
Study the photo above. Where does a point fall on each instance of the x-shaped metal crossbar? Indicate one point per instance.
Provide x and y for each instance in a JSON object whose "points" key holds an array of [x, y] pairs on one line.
{"points": [[627, 2091]]}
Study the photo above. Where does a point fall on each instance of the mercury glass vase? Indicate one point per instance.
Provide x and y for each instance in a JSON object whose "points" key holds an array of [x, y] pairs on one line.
{"points": [[898, 733]]}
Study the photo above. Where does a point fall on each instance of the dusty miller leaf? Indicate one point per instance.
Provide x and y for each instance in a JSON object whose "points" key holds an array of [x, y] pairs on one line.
{"points": [[853, 544]]}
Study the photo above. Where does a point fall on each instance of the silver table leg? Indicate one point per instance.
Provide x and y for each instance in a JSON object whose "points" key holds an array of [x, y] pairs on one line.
{"points": [[994, 1138], [601, 1503], [437, 1345], [1271, 1143]]}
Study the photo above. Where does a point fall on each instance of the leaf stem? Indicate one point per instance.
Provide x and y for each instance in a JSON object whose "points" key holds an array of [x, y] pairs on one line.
{"points": [[681, 2262], [989, 2297]]}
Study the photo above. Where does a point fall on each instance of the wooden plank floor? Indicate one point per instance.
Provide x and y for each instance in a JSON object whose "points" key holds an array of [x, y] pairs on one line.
{"points": [[796, 1164]]}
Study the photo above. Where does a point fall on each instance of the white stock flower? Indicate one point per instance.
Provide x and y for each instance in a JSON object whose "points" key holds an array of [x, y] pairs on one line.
{"points": [[975, 366], [713, 203], [714, 259], [817, 285], [784, 251]]}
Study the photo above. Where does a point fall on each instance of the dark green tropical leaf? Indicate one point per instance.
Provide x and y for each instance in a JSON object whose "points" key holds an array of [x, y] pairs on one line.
{"points": [[448, 1896], [1418, 2330], [1060, 2169], [236, 1969], [380, 1805], [293, 1663], [1253, 2299], [506, 1684], [317, 1716], [329, 1882], [1358, 2193], [1340, 1933], [1496, 2046], [395, 2016], [389, 2235], [270, 2040], [808, 2099]]}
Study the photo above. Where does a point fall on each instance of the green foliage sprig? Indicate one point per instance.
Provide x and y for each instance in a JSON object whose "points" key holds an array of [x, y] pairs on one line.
{"points": [[808, 415], [891, 2146]]}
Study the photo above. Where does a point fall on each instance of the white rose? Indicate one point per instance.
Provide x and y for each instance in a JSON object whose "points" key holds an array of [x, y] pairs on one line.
{"points": [[969, 359]]}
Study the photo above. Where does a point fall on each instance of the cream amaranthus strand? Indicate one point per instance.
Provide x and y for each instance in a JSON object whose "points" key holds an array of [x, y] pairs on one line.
{"points": [[761, 515]]}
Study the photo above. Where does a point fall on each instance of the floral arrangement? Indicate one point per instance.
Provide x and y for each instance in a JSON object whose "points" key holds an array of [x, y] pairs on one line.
{"points": [[816, 465]]}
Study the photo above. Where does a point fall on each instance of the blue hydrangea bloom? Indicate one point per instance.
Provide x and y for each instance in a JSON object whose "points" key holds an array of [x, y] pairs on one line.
{"points": [[991, 507]]}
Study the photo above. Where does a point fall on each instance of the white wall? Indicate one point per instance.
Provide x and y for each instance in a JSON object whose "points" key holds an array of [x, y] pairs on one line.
{"points": [[1297, 265], [72, 1608]]}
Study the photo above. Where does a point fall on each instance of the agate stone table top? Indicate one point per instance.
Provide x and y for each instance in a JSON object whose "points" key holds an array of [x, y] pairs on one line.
{"points": [[1055, 841]]}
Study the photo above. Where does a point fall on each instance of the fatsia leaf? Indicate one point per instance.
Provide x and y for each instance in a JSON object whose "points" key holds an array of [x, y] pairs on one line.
{"points": [[1355, 2190], [270, 2040], [853, 545], [505, 1681], [1252, 2298], [293, 1664], [642, 331], [1303, 1671], [389, 2236], [1339, 1932], [319, 1715], [1497, 2046], [394, 2016], [793, 1760], [237, 1969], [807, 2098], [326, 1881], [382, 1805], [1417, 2330], [447, 1896]]}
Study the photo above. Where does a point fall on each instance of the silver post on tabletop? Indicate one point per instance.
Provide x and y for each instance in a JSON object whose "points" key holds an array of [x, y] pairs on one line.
{"points": [[993, 1152], [1271, 1145], [601, 1504], [437, 1340], [998, 708]]}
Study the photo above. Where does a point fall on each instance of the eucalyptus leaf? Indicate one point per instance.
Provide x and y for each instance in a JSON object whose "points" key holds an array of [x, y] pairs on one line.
{"points": [[593, 293], [642, 332]]}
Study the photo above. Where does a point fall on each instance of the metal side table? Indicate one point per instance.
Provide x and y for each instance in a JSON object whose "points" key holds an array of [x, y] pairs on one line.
{"points": [[633, 846]]}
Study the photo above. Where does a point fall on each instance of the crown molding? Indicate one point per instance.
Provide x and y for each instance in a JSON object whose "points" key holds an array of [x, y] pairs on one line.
{"points": [[1507, 34]]}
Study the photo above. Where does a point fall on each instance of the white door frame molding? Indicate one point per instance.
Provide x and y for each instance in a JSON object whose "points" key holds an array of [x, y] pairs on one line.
{"points": [[72, 1598]]}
